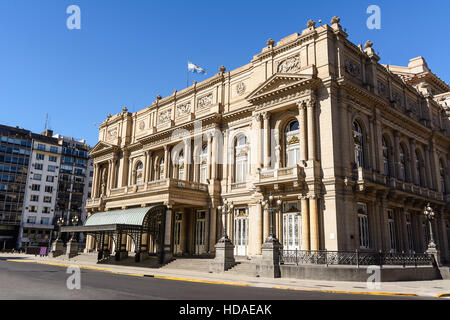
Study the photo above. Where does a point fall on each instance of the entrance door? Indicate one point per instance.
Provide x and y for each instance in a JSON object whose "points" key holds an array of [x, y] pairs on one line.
{"points": [[292, 226], [200, 224], [241, 232], [177, 233]]}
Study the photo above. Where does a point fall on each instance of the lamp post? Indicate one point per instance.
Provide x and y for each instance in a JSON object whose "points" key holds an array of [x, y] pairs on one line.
{"points": [[271, 209], [224, 258], [60, 223], [429, 214], [74, 223], [226, 208], [271, 249]]}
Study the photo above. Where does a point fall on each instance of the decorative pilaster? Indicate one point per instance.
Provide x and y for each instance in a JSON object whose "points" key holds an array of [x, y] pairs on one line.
{"points": [[303, 126], [306, 241], [266, 117], [312, 139], [314, 222]]}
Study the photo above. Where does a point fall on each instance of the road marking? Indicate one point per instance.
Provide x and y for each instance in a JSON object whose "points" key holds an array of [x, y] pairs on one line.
{"points": [[203, 281], [81, 267], [351, 292]]}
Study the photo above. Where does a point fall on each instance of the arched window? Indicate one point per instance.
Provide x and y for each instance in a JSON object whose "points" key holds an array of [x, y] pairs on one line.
{"points": [[204, 164], [162, 174], [292, 144], [385, 157], [359, 146], [240, 157], [139, 173], [442, 174], [419, 167], [402, 169], [180, 165]]}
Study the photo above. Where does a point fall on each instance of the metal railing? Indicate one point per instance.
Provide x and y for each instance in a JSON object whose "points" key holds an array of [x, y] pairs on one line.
{"points": [[354, 258]]}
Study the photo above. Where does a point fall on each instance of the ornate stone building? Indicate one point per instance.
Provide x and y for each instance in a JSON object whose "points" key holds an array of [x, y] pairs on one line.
{"points": [[355, 149]]}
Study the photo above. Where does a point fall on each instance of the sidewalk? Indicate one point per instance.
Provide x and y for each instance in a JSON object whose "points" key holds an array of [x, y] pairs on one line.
{"points": [[435, 288]]}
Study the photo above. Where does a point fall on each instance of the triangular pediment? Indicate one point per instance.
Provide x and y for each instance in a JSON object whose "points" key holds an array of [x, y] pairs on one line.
{"points": [[101, 146], [279, 82]]}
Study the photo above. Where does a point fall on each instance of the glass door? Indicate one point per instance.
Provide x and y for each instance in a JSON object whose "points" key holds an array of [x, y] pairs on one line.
{"points": [[292, 226], [177, 233], [241, 232], [200, 246]]}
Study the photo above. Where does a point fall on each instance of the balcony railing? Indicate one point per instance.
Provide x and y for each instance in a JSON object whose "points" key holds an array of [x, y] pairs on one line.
{"points": [[279, 174], [354, 258]]}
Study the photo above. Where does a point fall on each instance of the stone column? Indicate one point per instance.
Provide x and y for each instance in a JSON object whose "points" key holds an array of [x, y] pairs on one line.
{"points": [[259, 228], [167, 161], [187, 159], [312, 130], [214, 158], [208, 159], [168, 235], [302, 121], [112, 177], [428, 168], [266, 117], [150, 167], [256, 147], [306, 242], [412, 154], [266, 224], [212, 229], [314, 222], [95, 192], [126, 155]]}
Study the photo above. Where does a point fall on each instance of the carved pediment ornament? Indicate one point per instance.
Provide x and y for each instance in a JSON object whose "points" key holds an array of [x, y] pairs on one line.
{"points": [[293, 140], [289, 65], [111, 134]]}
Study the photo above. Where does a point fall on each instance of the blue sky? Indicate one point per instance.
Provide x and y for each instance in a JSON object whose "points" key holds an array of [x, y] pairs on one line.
{"points": [[129, 51]]}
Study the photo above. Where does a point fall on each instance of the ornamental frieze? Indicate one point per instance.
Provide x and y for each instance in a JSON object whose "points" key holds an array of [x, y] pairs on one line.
{"points": [[289, 65], [111, 134], [183, 109], [164, 116], [352, 68], [205, 101]]}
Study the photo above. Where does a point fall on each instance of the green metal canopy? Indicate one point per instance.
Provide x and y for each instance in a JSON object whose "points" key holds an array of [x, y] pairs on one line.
{"points": [[133, 216]]}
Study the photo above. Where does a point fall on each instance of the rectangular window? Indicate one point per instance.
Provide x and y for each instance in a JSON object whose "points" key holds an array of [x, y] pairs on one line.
{"points": [[391, 225], [241, 166], [31, 219], [41, 147], [38, 166], [40, 156], [52, 158], [51, 168], [35, 187], [47, 199], [37, 177], [46, 210], [34, 198], [33, 209], [45, 221], [363, 222], [54, 150], [48, 189], [50, 178]]}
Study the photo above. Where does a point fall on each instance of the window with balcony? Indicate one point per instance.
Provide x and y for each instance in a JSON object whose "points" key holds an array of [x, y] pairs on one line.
{"points": [[161, 169], [292, 144], [358, 140], [139, 173], [180, 165], [204, 164], [402, 164], [240, 156]]}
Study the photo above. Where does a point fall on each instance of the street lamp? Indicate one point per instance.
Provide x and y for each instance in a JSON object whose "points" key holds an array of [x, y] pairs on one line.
{"points": [[429, 213], [226, 209], [74, 223], [59, 222], [271, 209]]}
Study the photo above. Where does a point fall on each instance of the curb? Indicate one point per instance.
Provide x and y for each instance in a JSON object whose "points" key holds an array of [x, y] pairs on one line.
{"points": [[443, 295]]}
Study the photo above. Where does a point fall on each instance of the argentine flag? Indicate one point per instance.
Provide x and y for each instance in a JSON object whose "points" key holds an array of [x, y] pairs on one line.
{"points": [[195, 69]]}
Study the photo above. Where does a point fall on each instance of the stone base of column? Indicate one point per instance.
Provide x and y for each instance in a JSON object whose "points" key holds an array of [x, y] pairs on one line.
{"points": [[168, 255], [224, 259], [269, 267], [57, 249], [120, 255], [71, 249], [436, 254], [140, 256]]}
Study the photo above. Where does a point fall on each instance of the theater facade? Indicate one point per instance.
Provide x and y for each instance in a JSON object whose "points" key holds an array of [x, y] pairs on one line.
{"points": [[353, 148]]}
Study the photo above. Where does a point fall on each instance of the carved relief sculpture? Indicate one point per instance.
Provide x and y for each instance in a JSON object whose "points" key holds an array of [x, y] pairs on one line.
{"points": [[353, 69], [290, 65], [205, 101], [164, 116], [240, 88], [184, 109]]}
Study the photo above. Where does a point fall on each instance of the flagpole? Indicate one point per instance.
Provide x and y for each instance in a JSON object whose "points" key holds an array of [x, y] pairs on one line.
{"points": [[187, 75]]}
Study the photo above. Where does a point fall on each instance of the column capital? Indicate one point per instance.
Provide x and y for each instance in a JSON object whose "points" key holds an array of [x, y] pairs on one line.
{"points": [[301, 104], [257, 116], [266, 115]]}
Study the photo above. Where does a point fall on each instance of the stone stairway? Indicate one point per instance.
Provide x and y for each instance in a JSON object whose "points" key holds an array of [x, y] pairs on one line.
{"points": [[192, 264], [243, 268]]}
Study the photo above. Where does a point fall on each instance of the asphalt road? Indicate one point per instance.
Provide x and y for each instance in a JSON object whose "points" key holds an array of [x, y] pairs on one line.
{"points": [[44, 282]]}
